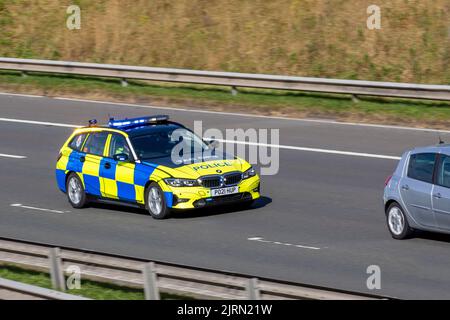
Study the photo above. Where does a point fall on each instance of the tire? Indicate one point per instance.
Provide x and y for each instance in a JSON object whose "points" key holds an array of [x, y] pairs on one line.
{"points": [[155, 202], [75, 191], [397, 222]]}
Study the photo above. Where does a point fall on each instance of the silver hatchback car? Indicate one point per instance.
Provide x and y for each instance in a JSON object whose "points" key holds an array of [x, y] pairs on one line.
{"points": [[417, 195]]}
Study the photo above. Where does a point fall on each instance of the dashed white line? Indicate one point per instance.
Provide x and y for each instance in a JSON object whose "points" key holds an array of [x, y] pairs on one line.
{"points": [[18, 205], [260, 239], [12, 156], [306, 149]]}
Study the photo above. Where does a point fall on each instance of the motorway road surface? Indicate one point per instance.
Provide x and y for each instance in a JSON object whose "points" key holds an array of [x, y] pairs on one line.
{"points": [[320, 221]]}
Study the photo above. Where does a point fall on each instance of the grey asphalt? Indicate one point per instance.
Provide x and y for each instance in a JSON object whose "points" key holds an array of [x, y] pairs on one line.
{"points": [[321, 200]]}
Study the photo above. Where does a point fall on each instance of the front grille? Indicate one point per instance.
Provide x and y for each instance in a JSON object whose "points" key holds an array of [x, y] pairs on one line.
{"points": [[211, 182], [217, 181], [231, 179], [228, 199]]}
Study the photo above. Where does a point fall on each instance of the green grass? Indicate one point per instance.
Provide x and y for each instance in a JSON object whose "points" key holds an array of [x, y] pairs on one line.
{"points": [[89, 289], [286, 103]]}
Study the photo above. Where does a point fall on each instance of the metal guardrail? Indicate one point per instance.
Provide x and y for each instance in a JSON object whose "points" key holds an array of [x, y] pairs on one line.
{"points": [[234, 80], [156, 277], [13, 290]]}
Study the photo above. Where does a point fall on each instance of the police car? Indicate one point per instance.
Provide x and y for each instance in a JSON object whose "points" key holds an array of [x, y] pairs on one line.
{"points": [[153, 163]]}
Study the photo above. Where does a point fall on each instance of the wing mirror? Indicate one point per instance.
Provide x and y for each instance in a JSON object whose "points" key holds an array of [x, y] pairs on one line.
{"points": [[121, 157], [213, 144]]}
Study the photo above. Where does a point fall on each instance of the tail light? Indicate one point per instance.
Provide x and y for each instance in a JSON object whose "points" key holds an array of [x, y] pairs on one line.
{"points": [[386, 182]]}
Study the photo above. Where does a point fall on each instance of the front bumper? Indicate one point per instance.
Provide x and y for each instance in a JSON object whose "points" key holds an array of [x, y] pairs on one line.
{"points": [[197, 197]]}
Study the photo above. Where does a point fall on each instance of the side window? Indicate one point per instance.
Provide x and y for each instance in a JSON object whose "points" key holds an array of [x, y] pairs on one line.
{"points": [[95, 143], [118, 145], [421, 166], [443, 171], [77, 141]]}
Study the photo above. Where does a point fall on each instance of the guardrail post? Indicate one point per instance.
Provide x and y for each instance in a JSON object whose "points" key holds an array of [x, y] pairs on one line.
{"points": [[355, 98], [56, 269], [234, 91], [124, 82], [253, 289], [150, 282], [23, 74]]}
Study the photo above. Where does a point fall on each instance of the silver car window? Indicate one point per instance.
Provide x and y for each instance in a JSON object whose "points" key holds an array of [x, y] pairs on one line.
{"points": [[443, 172], [421, 166]]}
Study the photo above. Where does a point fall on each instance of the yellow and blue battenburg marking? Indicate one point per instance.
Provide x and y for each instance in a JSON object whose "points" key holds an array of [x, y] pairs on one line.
{"points": [[121, 180]]}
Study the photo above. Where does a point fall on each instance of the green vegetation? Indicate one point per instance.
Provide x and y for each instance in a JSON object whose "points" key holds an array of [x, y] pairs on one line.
{"points": [[319, 38], [268, 102], [89, 289]]}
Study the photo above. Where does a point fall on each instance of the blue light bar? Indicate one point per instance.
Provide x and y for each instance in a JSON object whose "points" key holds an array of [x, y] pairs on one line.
{"points": [[137, 121]]}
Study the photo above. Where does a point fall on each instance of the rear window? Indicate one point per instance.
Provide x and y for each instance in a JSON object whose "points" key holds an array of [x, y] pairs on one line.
{"points": [[95, 143], [77, 141], [421, 166]]}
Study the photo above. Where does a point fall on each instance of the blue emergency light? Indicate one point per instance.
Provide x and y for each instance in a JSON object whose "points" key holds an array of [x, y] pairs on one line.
{"points": [[126, 123]]}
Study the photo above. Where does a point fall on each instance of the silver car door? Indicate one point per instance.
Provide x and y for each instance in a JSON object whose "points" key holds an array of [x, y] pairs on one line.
{"points": [[416, 187], [441, 193]]}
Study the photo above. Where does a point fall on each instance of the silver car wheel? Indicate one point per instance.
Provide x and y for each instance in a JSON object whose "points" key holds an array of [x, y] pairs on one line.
{"points": [[396, 221], [155, 201], [75, 190]]}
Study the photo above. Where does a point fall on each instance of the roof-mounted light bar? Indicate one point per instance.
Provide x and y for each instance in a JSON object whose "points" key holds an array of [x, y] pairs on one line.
{"points": [[125, 123]]}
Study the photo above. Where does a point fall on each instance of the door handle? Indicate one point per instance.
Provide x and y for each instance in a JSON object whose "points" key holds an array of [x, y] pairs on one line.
{"points": [[437, 195], [405, 187], [82, 159], [107, 165]]}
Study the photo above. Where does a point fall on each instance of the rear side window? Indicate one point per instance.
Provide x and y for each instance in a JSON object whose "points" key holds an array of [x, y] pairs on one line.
{"points": [[421, 166], [443, 171], [95, 143], [77, 141]]}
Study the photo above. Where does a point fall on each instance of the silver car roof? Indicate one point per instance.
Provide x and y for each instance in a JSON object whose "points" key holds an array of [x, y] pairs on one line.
{"points": [[442, 148]]}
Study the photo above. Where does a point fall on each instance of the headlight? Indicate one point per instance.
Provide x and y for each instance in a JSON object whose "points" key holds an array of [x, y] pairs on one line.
{"points": [[249, 173], [175, 182]]}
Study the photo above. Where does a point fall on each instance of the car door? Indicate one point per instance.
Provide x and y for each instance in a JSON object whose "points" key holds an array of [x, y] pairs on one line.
{"points": [[94, 150], [119, 175], [441, 193], [416, 187]]}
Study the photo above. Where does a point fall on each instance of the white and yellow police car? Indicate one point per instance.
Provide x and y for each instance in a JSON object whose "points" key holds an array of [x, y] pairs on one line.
{"points": [[154, 163]]}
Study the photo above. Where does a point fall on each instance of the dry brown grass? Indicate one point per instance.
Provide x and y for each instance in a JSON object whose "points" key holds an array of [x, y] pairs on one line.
{"points": [[325, 38]]}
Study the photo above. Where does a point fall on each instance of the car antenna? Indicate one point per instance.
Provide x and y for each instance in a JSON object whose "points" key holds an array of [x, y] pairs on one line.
{"points": [[440, 139]]}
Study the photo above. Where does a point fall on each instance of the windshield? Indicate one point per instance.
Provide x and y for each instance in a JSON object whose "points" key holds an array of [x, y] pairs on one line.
{"points": [[160, 143]]}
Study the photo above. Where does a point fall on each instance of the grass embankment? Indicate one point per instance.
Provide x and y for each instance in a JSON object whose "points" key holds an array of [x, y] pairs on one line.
{"points": [[267, 102], [89, 289], [318, 38]]}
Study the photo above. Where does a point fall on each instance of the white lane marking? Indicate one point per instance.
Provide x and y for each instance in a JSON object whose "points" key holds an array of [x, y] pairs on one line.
{"points": [[320, 121], [307, 149], [12, 156], [329, 151], [21, 95], [18, 205], [260, 239], [40, 123]]}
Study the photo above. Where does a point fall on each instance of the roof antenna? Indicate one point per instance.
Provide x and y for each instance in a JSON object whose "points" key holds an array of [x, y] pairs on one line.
{"points": [[440, 139]]}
